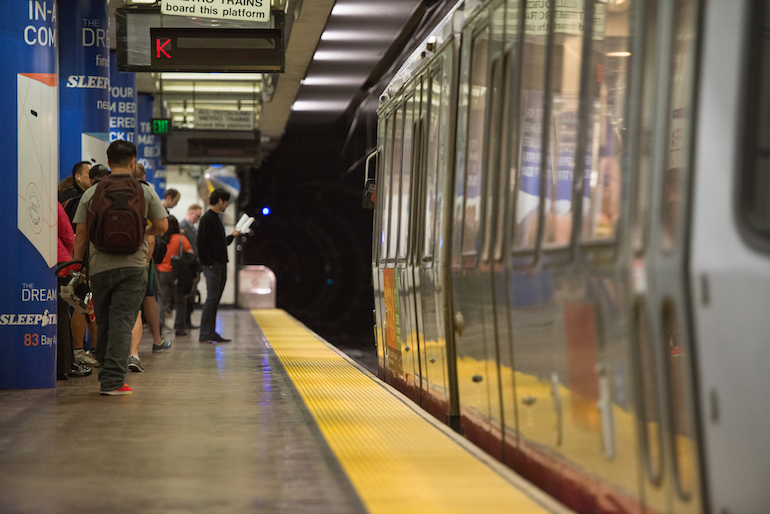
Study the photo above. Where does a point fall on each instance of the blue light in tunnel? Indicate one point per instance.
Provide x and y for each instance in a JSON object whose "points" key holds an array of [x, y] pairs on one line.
{"points": [[330, 281], [265, 211]]}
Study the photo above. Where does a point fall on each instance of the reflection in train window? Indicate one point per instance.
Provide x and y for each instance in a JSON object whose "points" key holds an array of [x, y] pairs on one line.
{"points": [[682, 424], [474, 170], [646, 124], [492, 148], [395, 192], [650, 407], [680, 116], [406, 179], [434, 122], [756, 187], [610, 58], [565, 77], [386, 180], [526, 215]]}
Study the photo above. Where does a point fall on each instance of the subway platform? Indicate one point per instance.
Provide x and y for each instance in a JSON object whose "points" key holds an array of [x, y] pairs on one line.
{"points": [[276, 421]]}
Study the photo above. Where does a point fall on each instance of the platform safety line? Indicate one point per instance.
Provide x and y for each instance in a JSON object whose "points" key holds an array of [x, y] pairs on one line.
{"points": [[395, 459]]}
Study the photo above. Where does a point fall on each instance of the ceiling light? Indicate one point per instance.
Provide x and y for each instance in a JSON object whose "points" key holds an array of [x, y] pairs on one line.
{"points": [[333, 81], [309, 105], [618, 54], [355, 35], [244, 77], [344, 55], [202, 88]]}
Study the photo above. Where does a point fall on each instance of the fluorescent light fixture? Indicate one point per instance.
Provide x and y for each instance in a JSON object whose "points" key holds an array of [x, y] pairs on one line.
{"points": [[354, 10], [333, 81], [310, 105], [243, 77], [344, 55], [356, 35], [618, 54], [202, 88]]}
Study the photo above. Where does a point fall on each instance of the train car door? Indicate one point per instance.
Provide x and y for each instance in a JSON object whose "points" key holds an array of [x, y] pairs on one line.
{"points": [[477, 373], [671, 461], [379, 248]]}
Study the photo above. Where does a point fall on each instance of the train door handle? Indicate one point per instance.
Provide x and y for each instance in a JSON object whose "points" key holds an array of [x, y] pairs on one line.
{"points": [[459, 323]]}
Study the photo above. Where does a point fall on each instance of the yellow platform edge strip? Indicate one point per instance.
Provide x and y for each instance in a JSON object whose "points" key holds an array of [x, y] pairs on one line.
{"points": [[396, 460]]}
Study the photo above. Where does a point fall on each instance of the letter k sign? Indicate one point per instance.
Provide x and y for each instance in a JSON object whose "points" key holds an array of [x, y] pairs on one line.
{"points": [[161, 48]]}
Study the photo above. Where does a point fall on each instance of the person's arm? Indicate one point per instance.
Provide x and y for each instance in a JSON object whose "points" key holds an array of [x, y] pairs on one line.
{"points": [[150, 248], [186, 244], [81, 241], [158, 228]]}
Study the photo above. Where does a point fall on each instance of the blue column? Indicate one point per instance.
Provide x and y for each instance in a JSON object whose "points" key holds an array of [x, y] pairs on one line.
{"points": [[29, 143], [147, 144], [84, 68], [123, 95]]}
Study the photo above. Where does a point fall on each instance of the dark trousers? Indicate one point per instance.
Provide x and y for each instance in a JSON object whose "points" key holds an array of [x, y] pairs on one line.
{"points": [[63, 333], [118, 294], [216, 276]]}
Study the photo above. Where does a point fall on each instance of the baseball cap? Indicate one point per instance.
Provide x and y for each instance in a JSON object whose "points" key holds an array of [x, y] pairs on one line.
{"points": [[98, 171]]}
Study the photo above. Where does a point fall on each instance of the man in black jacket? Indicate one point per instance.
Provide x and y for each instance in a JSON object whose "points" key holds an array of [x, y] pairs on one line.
{"points": [[212, 252]]}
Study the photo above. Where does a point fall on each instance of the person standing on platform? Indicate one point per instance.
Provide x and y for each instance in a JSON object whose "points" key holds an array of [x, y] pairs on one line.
{"points": [[170, 198], [188, 229], [212, 252], [118, 281], [80, 182]]}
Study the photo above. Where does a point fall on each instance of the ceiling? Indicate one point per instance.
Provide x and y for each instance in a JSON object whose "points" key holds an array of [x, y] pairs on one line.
{"points": [[331, 49]]}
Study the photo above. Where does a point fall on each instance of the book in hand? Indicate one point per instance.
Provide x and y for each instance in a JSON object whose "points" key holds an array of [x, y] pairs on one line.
{"points": [[244, 223]]}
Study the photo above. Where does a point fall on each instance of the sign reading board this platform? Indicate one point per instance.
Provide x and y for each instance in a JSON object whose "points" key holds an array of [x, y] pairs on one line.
{"points": [[249, 10], [216, 50]]}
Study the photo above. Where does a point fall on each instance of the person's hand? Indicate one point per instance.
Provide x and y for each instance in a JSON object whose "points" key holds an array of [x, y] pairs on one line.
{"points": [[236, 233]]}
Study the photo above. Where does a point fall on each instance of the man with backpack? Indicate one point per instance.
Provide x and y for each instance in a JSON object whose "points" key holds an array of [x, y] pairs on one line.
{"points": [[111, 221]]}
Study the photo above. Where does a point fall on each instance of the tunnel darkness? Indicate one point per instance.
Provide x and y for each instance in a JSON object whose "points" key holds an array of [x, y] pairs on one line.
{"points": [[317, 237]]}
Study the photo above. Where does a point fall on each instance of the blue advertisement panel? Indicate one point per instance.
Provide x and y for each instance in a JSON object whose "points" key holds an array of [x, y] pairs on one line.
{"points": [[84, 71], [123, 117], [147, 144], [28, 80]]}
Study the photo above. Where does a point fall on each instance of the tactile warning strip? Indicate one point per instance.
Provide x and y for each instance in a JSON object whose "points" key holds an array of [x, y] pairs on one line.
{"points": [[397, 461]]}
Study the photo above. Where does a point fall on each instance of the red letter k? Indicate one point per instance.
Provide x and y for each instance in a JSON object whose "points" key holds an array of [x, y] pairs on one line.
{"points": [[160, 48]]}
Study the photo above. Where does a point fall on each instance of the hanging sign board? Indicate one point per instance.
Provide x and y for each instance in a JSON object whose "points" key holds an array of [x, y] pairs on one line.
{"points": [[248, 10], [210, 119]]}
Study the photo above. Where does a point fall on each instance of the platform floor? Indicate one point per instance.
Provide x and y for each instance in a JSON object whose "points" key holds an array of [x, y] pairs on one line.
{"points": [[219, 429]]}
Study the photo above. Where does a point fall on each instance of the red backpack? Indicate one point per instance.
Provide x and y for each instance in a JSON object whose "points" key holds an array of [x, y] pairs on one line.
{"points": [[116, 220]]}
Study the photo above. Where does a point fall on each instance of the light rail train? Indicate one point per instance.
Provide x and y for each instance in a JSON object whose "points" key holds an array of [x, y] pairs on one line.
{"points": [[571, 251]]}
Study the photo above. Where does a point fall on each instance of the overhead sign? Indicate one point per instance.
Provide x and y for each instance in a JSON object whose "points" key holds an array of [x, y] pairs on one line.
{"points": [[249, 10], [210, 119], [160, 126], [216, 50]]}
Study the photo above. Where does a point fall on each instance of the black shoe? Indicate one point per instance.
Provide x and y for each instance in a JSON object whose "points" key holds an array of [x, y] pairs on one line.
{"points": [[62, 376], [219, 339], [193, 327], [182, 332], [79, 371]]}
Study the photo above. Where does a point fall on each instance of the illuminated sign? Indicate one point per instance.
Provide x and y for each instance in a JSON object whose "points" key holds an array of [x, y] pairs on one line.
{"points": [[216, 50], [160, 126]]}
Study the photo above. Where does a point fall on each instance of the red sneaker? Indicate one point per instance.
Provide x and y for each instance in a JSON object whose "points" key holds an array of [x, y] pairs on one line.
{"points": [[126, 389]]}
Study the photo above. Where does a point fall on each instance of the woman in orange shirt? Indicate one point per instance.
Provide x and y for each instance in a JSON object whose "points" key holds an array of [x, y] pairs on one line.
{"points": [[168, 289]]}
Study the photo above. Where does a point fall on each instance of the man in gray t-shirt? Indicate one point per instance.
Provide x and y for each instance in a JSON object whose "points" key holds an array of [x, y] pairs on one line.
{"points": [[118, 282]]}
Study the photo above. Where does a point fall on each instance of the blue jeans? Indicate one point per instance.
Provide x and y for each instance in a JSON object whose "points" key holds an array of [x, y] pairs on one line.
{"points": [[216, 276], [118, 294]]}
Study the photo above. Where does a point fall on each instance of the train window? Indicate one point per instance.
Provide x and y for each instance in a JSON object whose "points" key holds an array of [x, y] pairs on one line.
{"points": [[682, 424], [680, 117], [646, 121], [565, 77], [610, 55], [649, 408], [756, 181], [395, 191], [503, 176], [492, 148], [386, 180], [526, 214], [431, 175], [406, 178], [474, 167]]}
